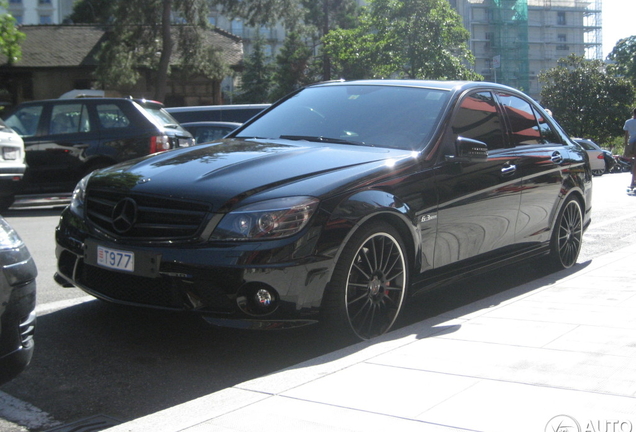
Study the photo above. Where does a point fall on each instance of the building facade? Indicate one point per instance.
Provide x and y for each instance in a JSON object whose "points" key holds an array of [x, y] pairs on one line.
{"points": [[514, 40], [40, 11]]}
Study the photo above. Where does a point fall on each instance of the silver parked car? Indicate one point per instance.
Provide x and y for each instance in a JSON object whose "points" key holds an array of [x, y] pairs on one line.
{"points": [[12, 164]]}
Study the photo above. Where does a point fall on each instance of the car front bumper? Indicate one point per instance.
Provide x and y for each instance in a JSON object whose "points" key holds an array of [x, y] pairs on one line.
{"points": [[260, 285], [17, 316]]}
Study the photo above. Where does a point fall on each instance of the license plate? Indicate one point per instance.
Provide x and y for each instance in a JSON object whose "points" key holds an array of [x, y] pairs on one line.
{"points": [[9, 153], [116, 259]]}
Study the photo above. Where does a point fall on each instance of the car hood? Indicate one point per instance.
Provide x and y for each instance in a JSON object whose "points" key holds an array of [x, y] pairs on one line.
{"points": [[234, 169]]}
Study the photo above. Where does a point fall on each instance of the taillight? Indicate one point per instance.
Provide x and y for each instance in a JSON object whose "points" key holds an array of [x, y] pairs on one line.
{"points": [[159, 143], [601, 156]]}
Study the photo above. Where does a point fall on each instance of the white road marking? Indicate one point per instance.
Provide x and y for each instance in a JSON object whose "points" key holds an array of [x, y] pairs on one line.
{"points": [[55, 306], [25, 414]]}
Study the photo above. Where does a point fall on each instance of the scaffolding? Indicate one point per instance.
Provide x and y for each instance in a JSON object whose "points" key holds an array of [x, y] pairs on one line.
{"points": [[510, 42]]}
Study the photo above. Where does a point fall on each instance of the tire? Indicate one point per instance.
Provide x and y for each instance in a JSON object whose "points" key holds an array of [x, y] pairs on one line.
{"points": [[369, 284], [565, 243], [598, 172]]}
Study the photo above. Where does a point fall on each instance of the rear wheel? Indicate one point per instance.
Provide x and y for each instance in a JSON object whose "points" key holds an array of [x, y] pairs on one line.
{"points": [[567, 235], [369, 283]]}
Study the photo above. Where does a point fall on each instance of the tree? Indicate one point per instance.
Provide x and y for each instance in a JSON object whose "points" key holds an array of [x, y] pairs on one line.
{"points": [[624, 56], [310, 19], [587, 99], [142, 37], [403, 39], [291, 66], [10, 36], [93, 11], [257, 75]]}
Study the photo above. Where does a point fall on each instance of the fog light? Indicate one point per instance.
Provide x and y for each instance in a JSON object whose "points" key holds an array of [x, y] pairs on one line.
{"points": [[263, 298], [257, 298]]}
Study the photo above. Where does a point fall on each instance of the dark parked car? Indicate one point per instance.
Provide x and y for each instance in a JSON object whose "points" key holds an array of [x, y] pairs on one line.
{"points": [[334, 205], [209, 131], [67, 138], [17, 303], [239, 113]]}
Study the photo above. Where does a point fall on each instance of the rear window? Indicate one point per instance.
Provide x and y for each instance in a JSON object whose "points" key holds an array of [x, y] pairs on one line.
{"points": [[159, 115]]}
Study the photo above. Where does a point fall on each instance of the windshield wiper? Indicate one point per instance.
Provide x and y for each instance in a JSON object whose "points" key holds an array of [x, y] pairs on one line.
{"points": [[322, 139]]}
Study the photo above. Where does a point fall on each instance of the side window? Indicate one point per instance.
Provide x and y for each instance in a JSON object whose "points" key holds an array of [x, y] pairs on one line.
{"points": [[548, 133], [25, 121], [478, 118], [68, 119], [111, 116], [523, 122]]}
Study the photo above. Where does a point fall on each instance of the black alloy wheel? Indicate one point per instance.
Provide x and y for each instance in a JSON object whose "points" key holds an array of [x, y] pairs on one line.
{"points": [[567, 235], [369, 283]]}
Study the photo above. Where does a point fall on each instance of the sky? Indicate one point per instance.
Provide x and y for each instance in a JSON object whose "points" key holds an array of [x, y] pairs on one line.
{"points": [[619, 21]]}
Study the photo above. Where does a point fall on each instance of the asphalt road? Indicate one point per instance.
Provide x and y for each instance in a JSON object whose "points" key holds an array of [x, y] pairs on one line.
{"points": [[95, 359]]}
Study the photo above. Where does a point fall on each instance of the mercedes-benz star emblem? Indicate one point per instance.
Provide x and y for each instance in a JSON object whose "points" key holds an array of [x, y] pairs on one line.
{"points": [[124, 215]]}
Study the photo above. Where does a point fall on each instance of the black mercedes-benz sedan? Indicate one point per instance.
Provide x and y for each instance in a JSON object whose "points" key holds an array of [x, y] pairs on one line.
{"points": [[334, 205]]}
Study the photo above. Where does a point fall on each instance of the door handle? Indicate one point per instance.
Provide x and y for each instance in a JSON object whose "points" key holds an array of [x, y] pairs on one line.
{"points": [[508, 169], [556, 158]]}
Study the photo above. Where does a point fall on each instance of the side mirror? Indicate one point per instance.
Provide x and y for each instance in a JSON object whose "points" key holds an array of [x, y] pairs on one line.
{"points": [[470, 150]]}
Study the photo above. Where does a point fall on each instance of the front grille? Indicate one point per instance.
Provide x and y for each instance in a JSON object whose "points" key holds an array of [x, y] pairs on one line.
{"points": [[123, 287], [161, 292], [157, 218]]}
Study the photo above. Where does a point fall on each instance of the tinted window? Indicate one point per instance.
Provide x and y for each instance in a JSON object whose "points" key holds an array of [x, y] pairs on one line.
{"points": [[69, 118], [25, 121], [159, 115], [478, 118], [524, 124], [382, 116], [111, 116]]}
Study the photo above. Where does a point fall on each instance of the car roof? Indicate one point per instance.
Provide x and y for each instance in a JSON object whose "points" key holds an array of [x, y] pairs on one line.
{"points": [[431, 84], [145, 102]]}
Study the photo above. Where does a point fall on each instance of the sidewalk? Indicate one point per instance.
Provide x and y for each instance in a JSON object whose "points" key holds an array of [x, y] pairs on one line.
{"points": [[557, 354]]}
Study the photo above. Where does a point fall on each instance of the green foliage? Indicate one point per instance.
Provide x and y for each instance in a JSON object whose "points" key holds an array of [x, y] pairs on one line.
{"points": [[257, 76], [10, 37], [624, 56], [587, 99], [142, 37], [292, 64], [93, 11], [403, 39]]}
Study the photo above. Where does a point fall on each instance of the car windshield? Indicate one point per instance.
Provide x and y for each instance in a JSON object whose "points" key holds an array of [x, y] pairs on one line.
{"points": [[371, 115]]}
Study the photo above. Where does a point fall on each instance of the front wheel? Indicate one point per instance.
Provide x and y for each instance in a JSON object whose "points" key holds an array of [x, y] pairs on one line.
{"points": [[369, 283], [567, 236]]}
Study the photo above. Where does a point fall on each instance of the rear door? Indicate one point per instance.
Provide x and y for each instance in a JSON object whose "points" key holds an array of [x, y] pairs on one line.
{"points": [[542, 158], [478, 201]]}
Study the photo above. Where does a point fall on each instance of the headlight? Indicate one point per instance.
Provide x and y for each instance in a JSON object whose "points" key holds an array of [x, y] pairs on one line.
{"points": [[272, 219], [77, 199], [9, 239]]}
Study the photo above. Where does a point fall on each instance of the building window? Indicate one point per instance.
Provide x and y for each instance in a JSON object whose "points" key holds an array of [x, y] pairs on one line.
{"points": [[19, 19], [212, 20], [15, 1], [236, 27], [44, 1], [46, 19], [562, 38], [561, 18]]}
